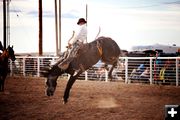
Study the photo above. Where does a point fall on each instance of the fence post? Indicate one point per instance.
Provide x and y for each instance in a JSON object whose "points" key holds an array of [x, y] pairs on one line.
{"points": [[11, 69], [106, 75], [69, 76], [38, 67], [52, 61], [151, 75], [126, 70], [24, 66], [86, 75], [177, 72]]}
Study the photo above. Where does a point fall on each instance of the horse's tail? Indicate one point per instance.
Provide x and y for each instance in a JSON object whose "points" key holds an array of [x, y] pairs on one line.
{"points": [[98, 32]]}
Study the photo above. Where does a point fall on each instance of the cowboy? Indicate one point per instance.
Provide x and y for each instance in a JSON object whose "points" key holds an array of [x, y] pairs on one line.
{"points": [[76, 41]]}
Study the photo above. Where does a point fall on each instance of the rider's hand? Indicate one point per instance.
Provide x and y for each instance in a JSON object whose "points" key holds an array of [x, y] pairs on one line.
{"points": [[69, 45]]}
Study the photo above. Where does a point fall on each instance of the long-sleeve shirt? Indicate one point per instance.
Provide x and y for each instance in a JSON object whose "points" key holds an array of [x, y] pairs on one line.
{"points": [[80, 35]]}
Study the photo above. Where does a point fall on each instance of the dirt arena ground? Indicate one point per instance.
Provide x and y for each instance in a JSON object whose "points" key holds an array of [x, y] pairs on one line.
{"points": [[24, 99]]}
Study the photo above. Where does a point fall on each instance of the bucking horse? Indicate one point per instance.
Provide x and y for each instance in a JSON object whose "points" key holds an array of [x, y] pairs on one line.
{"points": [[103, 48]]}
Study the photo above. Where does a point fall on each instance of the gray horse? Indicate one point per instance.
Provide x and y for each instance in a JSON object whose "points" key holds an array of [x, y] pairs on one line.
{"points": [[103, 48]]}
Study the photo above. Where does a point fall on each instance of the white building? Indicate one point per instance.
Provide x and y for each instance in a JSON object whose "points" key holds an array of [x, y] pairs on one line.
{"points": [[165, 48]]}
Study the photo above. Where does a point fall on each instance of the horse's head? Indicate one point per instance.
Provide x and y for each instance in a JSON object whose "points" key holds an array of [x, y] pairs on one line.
{"points": [[52, 74], [51, 84], [11, 53]]}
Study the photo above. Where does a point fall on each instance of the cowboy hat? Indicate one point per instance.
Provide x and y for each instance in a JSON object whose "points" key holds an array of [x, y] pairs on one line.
{"points": [[81, 20]]}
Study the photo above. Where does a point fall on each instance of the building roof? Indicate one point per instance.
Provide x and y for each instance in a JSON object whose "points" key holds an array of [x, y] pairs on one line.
{"points": [[165, 48]]}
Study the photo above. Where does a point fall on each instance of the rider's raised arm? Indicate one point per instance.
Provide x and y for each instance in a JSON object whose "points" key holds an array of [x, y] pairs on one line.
{"points": [[70, 40]]}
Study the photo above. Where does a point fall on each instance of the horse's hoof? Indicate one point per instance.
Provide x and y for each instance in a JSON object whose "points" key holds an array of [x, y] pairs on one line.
{"points": [[64, 101]]}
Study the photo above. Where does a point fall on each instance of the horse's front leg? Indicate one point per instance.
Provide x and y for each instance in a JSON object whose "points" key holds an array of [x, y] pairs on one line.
{"points": [[1, 82], [71, 81], [2, 85]]}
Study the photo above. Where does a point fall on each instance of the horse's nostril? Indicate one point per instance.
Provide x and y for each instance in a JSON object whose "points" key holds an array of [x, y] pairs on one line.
{"points": [[49, 92]]}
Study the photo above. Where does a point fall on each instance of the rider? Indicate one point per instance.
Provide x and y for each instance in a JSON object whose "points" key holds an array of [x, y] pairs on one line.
{"points": [[77, 40]]}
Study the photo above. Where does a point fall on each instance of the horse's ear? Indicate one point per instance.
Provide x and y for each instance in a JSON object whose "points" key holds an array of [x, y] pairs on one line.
{"points": [[12, 46]]}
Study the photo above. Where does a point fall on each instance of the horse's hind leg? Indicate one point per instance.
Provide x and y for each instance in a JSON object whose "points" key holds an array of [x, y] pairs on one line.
{"points": [[110, 71]]}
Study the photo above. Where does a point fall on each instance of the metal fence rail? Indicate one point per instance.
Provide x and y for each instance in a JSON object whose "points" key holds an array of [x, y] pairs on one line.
{"points": [[162, 70], [165, 70]]}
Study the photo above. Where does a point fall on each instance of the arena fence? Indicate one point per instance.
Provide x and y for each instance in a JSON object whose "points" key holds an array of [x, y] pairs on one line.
{"points": [[152, 70]]}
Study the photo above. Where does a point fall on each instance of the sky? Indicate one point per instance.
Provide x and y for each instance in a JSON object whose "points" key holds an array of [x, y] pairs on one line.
{"points": [[129, 22]]}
